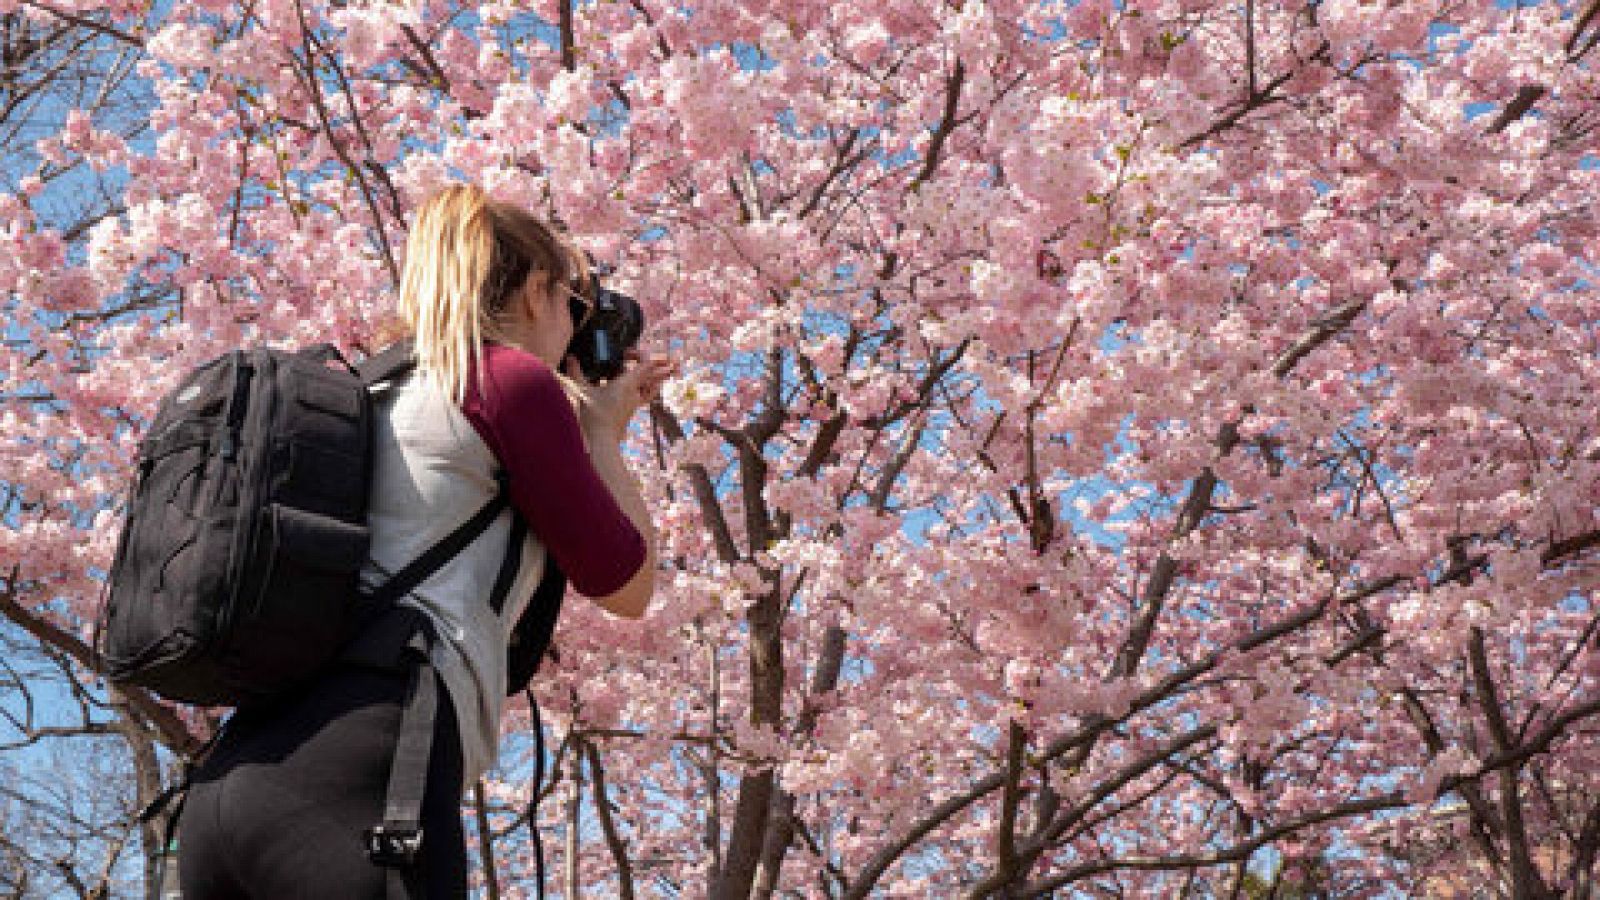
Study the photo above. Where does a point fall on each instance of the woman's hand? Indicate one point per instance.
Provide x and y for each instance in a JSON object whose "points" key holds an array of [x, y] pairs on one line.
{"points": [[605, 409]]}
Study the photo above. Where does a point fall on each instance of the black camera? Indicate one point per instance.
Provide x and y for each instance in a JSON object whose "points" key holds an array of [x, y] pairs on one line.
{"points": [[611, 330]]}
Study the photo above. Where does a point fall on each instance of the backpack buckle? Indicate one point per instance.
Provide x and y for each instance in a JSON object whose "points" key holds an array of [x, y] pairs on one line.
{"points": [[393, 846]]}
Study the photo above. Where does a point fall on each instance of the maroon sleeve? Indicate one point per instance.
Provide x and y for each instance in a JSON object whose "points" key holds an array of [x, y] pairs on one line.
{"points": [[523, 414]]}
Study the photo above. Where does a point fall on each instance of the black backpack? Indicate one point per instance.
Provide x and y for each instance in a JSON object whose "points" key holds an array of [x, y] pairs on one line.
{"points": [[235, 576]]}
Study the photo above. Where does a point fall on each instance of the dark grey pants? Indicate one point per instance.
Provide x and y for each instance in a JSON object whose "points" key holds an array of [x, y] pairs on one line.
{"points": [[278, 808]]}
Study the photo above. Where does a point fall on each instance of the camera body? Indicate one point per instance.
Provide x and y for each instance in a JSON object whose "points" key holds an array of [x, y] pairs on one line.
{"points": [[613, 329]]}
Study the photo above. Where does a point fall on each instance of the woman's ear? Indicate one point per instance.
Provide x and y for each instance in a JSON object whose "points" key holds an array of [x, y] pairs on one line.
{"points": [[531, 298], [555, 299]]}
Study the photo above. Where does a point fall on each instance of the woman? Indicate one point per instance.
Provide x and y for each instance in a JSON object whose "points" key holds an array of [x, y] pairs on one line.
{"points": [[284, 804]]}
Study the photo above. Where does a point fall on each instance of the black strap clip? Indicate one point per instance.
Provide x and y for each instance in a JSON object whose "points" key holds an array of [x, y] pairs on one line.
{"points": [[394, 846]]}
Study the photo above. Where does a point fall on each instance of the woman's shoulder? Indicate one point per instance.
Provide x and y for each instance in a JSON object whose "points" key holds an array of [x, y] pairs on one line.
{"points": [[513, 377], [498, 357]]}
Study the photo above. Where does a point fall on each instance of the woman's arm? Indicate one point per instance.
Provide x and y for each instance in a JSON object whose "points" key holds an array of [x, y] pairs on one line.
{"points": [[632, 598], [593, 524], [603, 413]]}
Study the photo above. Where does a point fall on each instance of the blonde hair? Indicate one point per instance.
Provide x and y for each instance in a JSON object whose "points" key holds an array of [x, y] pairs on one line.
{"points": [[466, 257]]}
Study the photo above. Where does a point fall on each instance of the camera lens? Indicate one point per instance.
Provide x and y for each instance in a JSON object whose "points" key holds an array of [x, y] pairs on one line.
{"points": [[603, 336]]}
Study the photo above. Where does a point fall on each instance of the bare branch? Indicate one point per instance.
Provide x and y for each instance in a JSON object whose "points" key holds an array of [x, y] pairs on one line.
{"points": [[172, 730], [306, 69], [711, 511], [574, 813], [440, 80], [782, 823], [1226, 856], [1323, 329], [842, 161], [1526, 97], [1009, 865], [569, 57], [1524, 874], [947, 124], [608, 826], [1582, 871], [85, 22], [480, 810]]}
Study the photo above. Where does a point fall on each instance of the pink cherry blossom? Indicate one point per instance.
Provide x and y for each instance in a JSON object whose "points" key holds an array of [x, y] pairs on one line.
{"points": [[1105, 433]]}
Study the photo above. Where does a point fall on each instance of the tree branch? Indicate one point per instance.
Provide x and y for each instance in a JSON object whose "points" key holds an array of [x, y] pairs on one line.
{"points": [[1092, 729], [947, 124], [1232, 854], [1009, 866], [841, 162], [782, 823], [1116, 782], [307, 71], [1524, 874], [1253, 101], [480, 811], [747, 834], [1529, 94], [440, 80], [608, 826], [711, 511], [1322, 330], [1581, 873], [880, 862], [171, 729], [85, 22], [569, 56], [1526, 97]]}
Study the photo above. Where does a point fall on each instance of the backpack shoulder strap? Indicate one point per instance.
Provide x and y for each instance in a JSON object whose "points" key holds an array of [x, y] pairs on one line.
{"points": [[434, 558], [387, 363]]}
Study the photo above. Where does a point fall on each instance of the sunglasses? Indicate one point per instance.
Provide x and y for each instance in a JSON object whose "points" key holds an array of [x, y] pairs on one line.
{"points": [[581, 307]]}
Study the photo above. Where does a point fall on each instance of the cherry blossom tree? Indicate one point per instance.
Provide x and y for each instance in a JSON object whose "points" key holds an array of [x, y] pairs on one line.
{"points": [[1139, 447], [69, 756]]}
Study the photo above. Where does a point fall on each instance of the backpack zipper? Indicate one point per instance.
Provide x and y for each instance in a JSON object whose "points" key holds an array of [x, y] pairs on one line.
{"points": [[243, 375]]}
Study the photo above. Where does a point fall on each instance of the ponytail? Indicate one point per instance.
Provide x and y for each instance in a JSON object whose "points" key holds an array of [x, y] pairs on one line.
{"points": [[466, 257]]}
